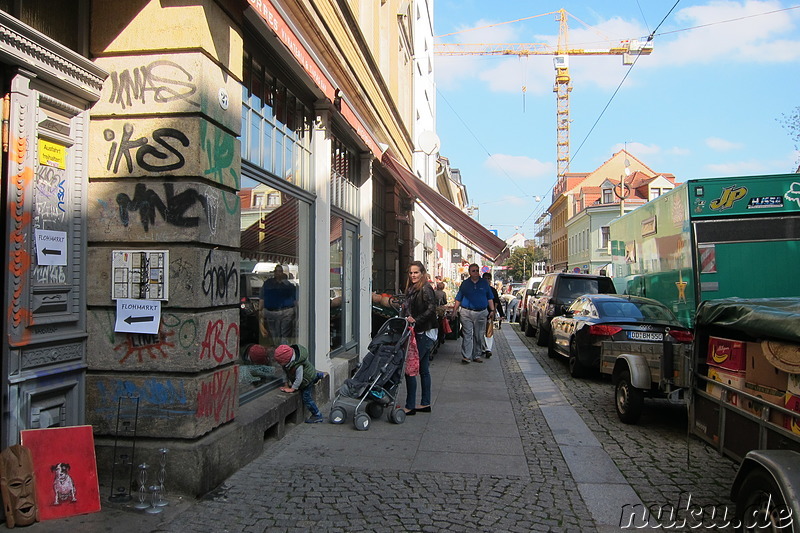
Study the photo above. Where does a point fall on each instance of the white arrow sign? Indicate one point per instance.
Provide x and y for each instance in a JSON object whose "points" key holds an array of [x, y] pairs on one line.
{"points": [[138, 316], [51, 247]]}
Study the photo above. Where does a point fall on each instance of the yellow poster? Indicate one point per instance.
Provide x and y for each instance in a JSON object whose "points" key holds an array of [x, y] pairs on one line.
{"points": [[52, 154]]}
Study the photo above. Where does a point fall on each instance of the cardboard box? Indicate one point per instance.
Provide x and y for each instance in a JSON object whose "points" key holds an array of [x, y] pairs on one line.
{"points": [[769, 395], [717, 391], [760, 371], [736, 380], [727, 353], [792, 423], [793, 384]]}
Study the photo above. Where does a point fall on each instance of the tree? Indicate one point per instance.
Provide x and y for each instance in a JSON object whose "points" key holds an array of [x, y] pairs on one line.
{"points": [[791, 121], [520, 262]]}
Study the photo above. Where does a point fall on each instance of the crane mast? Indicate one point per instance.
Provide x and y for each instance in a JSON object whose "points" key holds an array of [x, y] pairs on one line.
{"points": [[628, 49]]}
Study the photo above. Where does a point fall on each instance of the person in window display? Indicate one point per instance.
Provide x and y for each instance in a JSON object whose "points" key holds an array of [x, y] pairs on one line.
{"points": [[277, 306]]}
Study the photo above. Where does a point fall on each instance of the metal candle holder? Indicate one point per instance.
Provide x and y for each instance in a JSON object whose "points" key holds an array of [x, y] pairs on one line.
{"points": [[142, 487], [162, 475]]}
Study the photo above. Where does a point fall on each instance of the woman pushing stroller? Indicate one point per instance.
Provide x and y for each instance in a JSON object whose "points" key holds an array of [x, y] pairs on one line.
{"points": [[420, 311]]}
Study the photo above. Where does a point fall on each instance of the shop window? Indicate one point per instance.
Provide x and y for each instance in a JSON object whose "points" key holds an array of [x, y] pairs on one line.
{"points": [[272, 270], [276, 127], [344, 177]]}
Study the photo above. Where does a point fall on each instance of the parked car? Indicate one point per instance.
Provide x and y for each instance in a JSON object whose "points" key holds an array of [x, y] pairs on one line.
{"points": [[554, 294], [594, 319], [529, 288]]}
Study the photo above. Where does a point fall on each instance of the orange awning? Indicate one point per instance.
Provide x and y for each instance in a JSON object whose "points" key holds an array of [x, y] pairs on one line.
{"points": [[483, 241]]}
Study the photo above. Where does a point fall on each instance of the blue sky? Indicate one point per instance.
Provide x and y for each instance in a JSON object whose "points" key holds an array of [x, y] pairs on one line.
{"points": [[711, 100]]}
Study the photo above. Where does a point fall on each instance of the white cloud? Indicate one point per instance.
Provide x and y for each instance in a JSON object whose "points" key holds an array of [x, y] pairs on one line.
{"points": [[677, 150], [637, 149], [519, 166], [746, 37], [722, 145], [737, 168]]}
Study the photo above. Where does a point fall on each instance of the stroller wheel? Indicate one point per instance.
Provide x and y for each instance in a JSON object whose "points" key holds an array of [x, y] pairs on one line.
{"points": [[338, 415], [362, 422], [398, 416], [374, 410]]}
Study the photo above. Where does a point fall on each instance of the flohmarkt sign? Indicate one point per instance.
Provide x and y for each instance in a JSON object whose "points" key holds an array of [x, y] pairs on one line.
{"points": [[138, 316]]}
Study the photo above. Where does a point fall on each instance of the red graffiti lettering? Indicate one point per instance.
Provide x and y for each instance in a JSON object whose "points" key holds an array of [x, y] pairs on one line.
{"points": [[218, 395], [220, 342], [139, 345]]}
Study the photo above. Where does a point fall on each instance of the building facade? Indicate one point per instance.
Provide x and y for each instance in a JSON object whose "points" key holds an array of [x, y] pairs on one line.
{"points": [[186, 186]]}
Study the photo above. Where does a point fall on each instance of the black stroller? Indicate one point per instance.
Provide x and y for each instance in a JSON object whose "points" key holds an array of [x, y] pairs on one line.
{"points": [[374, 385]]}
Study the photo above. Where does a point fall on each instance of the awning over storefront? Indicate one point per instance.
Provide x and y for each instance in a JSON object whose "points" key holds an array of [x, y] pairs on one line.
{"points": [[485, 242]]}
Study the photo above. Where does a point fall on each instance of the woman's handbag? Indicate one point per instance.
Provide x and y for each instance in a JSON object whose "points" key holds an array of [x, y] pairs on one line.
{"points": [[412, 356], [446, 326]]}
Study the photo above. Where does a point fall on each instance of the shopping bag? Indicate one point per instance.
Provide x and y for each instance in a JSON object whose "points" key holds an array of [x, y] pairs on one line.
{"points": [[412, 356], [446, 326], [489, 328]]}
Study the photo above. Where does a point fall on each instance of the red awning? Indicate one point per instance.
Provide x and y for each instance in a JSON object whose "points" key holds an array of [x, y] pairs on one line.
{"points": [[484, 241]]}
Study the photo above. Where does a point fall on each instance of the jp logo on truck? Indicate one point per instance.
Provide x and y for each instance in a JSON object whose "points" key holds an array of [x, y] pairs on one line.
{"points": [[729, 196]]}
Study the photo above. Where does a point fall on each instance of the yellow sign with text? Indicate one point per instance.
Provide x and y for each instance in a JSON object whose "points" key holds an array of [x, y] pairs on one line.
{"points": [[52, 154]]}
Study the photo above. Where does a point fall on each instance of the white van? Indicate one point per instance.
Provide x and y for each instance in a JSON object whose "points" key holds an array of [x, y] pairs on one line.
{"points": [[532, 283]]}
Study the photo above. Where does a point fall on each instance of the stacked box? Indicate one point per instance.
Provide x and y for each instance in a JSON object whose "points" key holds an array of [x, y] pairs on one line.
{"points": [[793, 384], [769, 395], [728, 354], [736, 380], [761, 372], [792, 423]]}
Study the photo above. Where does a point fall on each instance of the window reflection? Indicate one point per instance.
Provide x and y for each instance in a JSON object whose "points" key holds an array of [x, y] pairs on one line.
{"points": [[336, 277], [269, 278]]}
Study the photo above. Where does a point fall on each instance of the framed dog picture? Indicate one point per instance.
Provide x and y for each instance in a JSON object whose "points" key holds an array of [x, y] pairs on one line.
{"points": [[66, 470]]}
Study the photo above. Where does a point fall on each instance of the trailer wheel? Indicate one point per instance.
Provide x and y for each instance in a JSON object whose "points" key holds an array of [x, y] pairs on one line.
{"points": [[576, 368], [374, 410], [628, 400], [760, 506], [338, 415]]}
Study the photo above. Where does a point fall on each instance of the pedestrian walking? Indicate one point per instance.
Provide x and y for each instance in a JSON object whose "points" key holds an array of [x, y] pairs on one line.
{"points": [[300, 375], [488, 338], [474, 297], [512, 310], [420, 311]]}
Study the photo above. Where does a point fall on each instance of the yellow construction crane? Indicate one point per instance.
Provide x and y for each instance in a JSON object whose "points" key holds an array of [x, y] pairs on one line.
{"points": [[628, 49]]}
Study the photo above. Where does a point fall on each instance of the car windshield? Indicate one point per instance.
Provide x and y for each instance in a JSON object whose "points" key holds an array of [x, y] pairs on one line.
{"points": [[573, 287], [634, 310]]}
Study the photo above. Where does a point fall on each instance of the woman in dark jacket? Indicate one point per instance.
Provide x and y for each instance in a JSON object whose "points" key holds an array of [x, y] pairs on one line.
{"points": [[420, 309]]}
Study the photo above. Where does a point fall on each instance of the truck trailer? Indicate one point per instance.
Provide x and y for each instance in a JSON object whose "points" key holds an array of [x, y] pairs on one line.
{"points": [[711, 238]]}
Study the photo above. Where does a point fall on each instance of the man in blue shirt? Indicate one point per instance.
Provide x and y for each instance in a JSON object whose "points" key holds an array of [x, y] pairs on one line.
{"points": [[473, 299]]}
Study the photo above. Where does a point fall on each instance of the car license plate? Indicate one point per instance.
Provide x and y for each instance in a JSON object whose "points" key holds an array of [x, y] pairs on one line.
{"points": [[645, 336]]}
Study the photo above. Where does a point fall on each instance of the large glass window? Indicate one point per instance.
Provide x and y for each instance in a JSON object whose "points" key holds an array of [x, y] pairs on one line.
{"points": [[273, 278], [276, 125]]}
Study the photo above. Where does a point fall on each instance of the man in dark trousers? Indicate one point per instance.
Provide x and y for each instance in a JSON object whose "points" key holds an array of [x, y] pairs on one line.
{"points": [[473, 299]]}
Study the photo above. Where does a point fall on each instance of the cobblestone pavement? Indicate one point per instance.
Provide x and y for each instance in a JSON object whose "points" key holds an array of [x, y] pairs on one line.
{"points": [[658, 457]]}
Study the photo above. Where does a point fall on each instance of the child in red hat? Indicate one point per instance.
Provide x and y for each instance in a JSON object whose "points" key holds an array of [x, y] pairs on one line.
{"points": [[301, 375]]}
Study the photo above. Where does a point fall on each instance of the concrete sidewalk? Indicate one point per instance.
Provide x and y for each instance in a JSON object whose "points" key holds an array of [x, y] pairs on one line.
{"points": [[501, 451]]}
